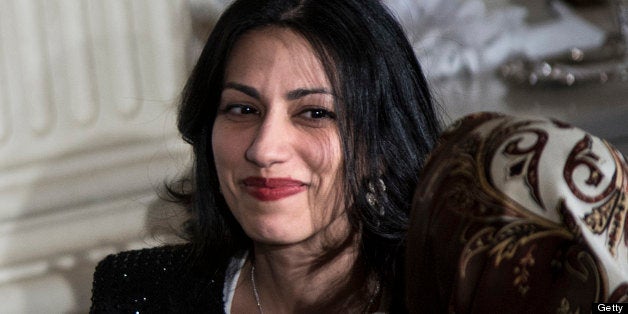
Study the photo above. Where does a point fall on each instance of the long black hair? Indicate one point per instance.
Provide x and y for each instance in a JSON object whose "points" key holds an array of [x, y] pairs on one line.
{"points": [[385, 115]]}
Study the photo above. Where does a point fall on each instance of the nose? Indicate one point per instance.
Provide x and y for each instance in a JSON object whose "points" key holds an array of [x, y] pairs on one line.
{"points": [[270, 144]]}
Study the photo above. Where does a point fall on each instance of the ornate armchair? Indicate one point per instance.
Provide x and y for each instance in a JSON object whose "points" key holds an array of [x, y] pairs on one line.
{"points": [[518, 215]]}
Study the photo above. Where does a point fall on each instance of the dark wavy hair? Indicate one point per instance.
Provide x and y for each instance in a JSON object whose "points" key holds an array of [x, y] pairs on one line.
{"points": [[385, 114]]}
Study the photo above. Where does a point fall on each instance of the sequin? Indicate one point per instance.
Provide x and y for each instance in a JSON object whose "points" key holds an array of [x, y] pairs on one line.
{"points": [[156, 280]]}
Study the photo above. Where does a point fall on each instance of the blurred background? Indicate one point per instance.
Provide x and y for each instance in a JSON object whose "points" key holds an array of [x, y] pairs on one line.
{"points": [[89, 89]]}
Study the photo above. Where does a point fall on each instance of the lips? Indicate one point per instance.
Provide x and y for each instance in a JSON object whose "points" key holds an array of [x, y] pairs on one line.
{"points": [[272, 189]]}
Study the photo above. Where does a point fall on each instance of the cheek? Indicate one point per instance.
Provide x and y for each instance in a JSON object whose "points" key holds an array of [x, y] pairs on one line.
{"points": [[324, 158], [228, 157], [226, 149], [327, 200], [321, 150], [220, 150]]}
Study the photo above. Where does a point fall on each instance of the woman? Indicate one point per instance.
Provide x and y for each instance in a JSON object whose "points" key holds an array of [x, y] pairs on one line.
{"points": [[310, 121]]}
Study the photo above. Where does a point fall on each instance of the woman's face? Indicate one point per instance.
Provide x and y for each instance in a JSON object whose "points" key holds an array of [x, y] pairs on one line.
{"points": [[275, 140]]}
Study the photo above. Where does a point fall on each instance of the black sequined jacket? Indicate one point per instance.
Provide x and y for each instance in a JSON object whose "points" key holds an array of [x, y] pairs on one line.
{"points": [[156, 280]]}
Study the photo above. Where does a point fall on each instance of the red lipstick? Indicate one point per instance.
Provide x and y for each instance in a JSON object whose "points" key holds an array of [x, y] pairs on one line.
{"points": [[272, 189]]}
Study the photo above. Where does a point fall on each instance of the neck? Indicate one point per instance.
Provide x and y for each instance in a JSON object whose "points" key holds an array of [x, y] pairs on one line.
{"points": [[310, 277]]}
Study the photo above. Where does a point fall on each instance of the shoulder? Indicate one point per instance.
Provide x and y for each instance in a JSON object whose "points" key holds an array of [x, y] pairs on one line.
{"points": [[154, 262], [160, 279]]}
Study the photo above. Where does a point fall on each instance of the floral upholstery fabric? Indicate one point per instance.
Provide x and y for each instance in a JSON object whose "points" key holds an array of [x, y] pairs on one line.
{"points": [[518, 215]]}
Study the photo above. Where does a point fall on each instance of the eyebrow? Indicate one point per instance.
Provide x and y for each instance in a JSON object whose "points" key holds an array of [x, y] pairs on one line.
{"points": [[250, 91], [291, 95], [302, 92]]}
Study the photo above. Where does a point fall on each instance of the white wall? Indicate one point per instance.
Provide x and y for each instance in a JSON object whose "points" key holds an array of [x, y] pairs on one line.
{"points": [[88, 91]]}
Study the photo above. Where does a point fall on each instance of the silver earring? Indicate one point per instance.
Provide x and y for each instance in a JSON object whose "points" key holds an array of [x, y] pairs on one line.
{"points": [[372, 195]]}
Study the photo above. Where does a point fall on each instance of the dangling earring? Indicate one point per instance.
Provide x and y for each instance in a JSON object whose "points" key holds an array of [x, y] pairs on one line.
{"points": [[372, 195]]}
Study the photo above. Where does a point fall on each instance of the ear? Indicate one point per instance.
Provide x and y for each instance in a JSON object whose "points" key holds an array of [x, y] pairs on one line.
{"points": [[518, 215]]}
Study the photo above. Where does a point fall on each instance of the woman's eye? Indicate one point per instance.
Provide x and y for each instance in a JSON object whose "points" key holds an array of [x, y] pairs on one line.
{"points": [[240, 112], [318, 113], [240, 109]]}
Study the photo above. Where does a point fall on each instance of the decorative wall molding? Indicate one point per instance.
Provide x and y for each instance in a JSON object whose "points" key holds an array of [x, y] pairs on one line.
{"points": [[81, 177], [85, 65], [88, 92]]}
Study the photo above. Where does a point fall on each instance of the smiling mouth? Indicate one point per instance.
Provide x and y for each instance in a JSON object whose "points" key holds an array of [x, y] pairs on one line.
{"points": [[272, 189]]}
